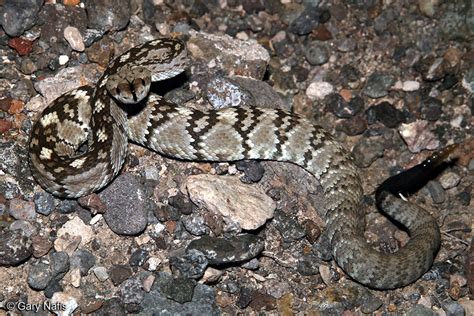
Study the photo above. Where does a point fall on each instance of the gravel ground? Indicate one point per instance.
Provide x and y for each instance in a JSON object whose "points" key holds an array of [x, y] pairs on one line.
{"points": [[392, 80]]}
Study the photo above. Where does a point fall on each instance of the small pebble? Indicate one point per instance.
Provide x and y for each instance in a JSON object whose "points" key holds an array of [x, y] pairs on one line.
{"points": [[319, 90], [377, 85], [449, 180], [44, 203], [63, 59], [410, 86], [316, 53], [74, 38]]}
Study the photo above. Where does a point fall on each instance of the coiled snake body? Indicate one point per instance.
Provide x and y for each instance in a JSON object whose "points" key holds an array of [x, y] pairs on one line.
{"points": [[80, 142]]}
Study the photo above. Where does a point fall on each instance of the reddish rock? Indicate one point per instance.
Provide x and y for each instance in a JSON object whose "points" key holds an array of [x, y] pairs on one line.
{"points": [[16, 106], [5, 126], [21, 45], [322, 33]]}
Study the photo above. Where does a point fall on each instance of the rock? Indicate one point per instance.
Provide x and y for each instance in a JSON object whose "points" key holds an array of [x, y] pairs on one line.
{"points": [[138, 258], [67, 79], [156, 301], [101, 273], [15, 248], [59, 264], [178, 289], [431, 68], [342, 109], [67, 206], [192, 265], [220, 251], [366, 151], [44, 203], [449, 180], [41, 246], [245, 298], [236, 202], [75, 228], [288, 227], [39, 276], [23, 47], [420, 310], [316, 53], [377, 85], [319, 90], [27, 228], [307, 20], [20, 209], [308, 265], [195, 224], [385, 113], [418, 137], [18, 16], [66, 301], [131, 291], [410, 86], [430, 109], [126, 205], [212, 276], [312, 230], [224, 93], [74, 38], [234, 57], [83, 260], [436, 191], [252, 169], [262, 93], [353, 126], [108, 15], [119, 273]]}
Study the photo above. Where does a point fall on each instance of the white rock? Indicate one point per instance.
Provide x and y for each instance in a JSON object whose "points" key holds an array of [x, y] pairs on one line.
{"points": [[319, 90], [101, 273], [76, 227], [409, 86], [63, 304], [63, 59], [244, 204], [74, 38], [75, 277], [418, 136]]}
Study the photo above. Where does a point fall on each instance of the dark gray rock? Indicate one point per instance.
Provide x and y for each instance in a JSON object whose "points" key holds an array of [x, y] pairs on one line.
{"points": [[39, 276], [126, 205], [316, 53], [67, 206], [342, 109], [155, 302], [366, 151], [288, 227], [192, 265], [307, 21], [106, 15], [138, 258], [252, 169], [14, 247], [131, 291], [119, 273], [178, 289], [420, 310], [82, 259], [377, 85], [431, 109], [59, 263], [18, 16], [385, 113], [227, 250], [308, 265], [195, 224], [44, 203], [436, 191]]}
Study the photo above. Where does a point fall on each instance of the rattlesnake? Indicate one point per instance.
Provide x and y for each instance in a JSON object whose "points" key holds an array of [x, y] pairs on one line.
{"points": [[79, 144]]}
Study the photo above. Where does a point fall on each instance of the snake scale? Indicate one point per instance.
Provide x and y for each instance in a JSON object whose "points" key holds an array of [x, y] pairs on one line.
{"points": [[79, 144]]}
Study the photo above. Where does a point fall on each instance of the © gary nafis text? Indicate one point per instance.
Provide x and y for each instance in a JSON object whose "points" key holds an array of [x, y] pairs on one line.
{"points": [[46, 305]]}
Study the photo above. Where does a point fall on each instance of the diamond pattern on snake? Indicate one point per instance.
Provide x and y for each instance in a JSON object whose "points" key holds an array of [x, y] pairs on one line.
{"points": [[80, 142]]}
